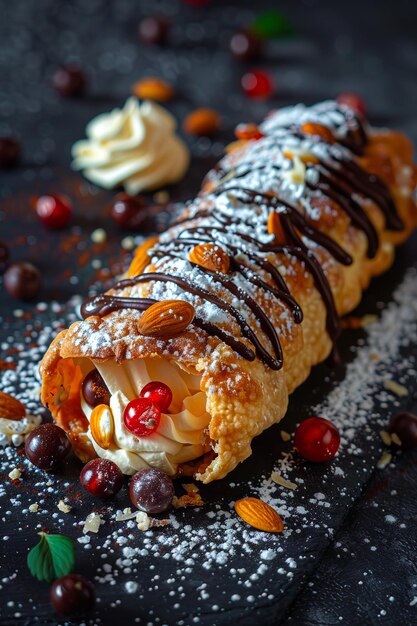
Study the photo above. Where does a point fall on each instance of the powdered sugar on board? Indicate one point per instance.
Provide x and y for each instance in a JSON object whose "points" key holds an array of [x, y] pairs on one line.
{"points": [[200, 548]]}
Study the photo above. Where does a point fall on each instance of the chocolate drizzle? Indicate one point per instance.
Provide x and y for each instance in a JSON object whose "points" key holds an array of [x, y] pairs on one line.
{"points": [[338, 177]]}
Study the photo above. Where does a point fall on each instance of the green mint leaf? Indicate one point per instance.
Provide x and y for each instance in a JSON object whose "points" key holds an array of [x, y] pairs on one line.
{"points": [[52, 557], [272, 25]]}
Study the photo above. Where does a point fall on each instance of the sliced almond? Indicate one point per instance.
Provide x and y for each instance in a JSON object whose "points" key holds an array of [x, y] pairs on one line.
{"points": [[275, 227], [259, 514], [153, 88], [310, 128], [202, 122], [211, 257], [166, 319], [248, 132], [141, 258], [305, 158], [102, 426], [10, 407]]}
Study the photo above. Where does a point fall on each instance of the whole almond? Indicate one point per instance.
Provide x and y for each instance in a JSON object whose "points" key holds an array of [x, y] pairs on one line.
{"points": [[200, 122], [310, 128], [259, 514], [102, 426], [166, 319], [275, 227], [210, 256], [141, 258], [153, 88], [10, 407]]}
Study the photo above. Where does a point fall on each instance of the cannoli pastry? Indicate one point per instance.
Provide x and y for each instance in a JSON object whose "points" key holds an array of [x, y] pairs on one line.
{"points": [[196, 350]]}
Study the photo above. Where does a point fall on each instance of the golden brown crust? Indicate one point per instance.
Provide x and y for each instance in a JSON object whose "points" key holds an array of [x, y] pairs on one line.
{"points": [[244, 397]]}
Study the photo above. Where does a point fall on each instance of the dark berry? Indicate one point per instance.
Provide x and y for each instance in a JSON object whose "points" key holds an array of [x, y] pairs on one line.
{"points": [[405, 426], [317, 439], [9, 152], [23, 280], [4, 257], [158, 393], [47, 446], [129, 211], [245, 46], [142, 417], [95, 390], [102, 478], [257, 84], [151, 491], [153, 30], [69, 80], [53, 211], [72, 595]]}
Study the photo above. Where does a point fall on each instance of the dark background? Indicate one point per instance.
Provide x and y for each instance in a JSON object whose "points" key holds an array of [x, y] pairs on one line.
{"points": [[367, 47]]}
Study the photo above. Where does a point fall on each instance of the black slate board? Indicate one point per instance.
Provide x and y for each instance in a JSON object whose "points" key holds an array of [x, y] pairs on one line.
{"points": [[338, 578]]}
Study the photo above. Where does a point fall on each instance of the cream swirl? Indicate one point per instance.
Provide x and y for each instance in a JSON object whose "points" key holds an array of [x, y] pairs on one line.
{"points": [[135, 147], [180, 434]]}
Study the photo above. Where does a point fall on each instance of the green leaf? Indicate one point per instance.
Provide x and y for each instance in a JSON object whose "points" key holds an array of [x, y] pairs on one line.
{"points": [[52, 557], [272, 25]]}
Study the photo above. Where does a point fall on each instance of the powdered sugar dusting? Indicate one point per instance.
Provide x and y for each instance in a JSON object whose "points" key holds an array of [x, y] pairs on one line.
{"points": [[213, 538]]}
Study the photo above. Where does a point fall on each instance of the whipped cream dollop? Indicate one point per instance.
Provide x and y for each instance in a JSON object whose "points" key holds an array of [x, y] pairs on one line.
{"points": [[180, 435], [135, 147]]}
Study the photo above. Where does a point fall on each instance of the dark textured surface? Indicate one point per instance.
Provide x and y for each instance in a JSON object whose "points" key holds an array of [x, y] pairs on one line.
{"points": [[368, 47]]}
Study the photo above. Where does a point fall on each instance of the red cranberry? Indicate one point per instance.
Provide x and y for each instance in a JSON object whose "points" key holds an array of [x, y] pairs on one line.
{"points": [[9, 152], [72, 595], [69, 80], [53, 211], [405, 426], [22, 280], [257, 84], [47, 446], [158, 393], [129, 211], [102, 478], [142, 417], [151, 491], [353, 101], [153, 30], [317, 439], [4, 257], [94, 389], [245, 46]]}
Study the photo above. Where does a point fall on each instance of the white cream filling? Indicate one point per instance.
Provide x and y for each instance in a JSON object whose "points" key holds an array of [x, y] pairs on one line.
{"points": [[135, 147], [179, 437]]}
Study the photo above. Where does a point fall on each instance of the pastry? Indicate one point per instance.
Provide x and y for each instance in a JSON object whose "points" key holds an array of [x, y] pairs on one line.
{"points": [[234, 304]]}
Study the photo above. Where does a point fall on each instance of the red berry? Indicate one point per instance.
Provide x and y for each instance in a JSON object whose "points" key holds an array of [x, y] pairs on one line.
{"points": [[102, 478], [158, 393], [317, 439], [142, 417], [53, 211], [353, 101], [245, 46], [257, 84]]}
